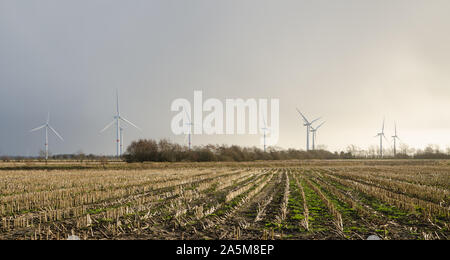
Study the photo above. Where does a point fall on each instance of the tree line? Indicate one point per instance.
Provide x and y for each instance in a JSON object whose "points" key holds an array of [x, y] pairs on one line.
{"points": [[165, 151]]}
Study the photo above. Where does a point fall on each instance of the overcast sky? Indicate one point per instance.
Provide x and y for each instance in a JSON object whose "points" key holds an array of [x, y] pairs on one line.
{"points": [[351, 62]]}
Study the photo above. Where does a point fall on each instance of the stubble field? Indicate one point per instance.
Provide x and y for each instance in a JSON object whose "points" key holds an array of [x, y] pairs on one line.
{"points": [[261, 200]]}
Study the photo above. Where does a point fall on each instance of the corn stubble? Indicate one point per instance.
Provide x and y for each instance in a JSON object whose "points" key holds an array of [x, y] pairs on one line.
{"points": [[212, 201]]}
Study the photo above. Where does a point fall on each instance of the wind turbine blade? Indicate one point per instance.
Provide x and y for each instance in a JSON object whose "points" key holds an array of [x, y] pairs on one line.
{"points": [[395, 129], [320, 125], [37, 128], [304, 118], [315, 120], [128, 122], [264, 120], [187, 115], [382, 129], [107, 126], [386, 139], [48, 117], [117, 101], [56, 133]]}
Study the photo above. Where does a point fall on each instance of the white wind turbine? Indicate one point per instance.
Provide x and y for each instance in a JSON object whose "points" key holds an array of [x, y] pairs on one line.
{"points": [[188, 129], [381, 135], [314, 132], [395, 137], [189, 124], [308, 127], [264, 128], [117, 119], [47, 126]]}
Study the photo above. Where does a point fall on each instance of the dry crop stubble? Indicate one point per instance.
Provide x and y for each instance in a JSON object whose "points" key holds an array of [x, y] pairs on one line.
{"points": [[402, 200]]}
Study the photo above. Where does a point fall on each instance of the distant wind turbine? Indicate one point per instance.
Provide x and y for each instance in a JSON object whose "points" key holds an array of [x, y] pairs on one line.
{"points": [[189, 124], [314, 132], [381, 135], [395, 137], [264, 131], [117, 119], [308, 127], [47, 126]]}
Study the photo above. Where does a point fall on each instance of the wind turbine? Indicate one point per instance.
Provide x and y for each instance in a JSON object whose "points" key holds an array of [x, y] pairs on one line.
{"points": [[308, 127], [381, 135], [117, 119], [395, 137], [264, 130], [314, 132], [47, 126], [189, 124]]}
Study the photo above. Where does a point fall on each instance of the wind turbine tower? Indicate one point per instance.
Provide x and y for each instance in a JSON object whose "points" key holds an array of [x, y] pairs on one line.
{"points": [[121, 140], [264, 128], [188, 124]]}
